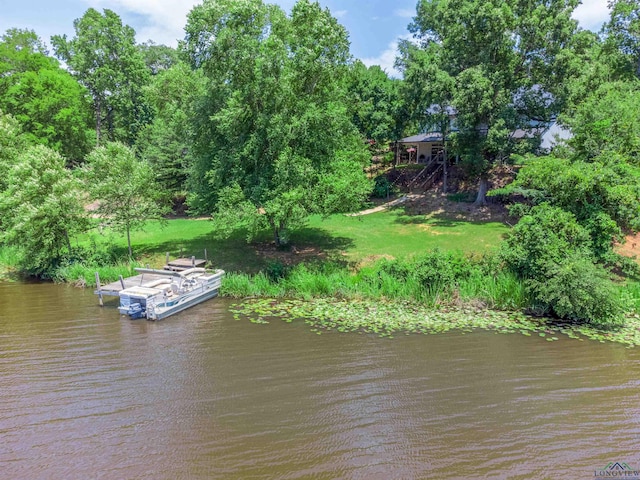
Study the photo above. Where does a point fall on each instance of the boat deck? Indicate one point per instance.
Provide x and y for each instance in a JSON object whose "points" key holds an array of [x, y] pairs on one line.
{"points": [[113, 289]]}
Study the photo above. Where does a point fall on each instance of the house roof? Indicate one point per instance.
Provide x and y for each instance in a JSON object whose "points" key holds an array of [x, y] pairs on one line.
{"points": [[422, 137]]}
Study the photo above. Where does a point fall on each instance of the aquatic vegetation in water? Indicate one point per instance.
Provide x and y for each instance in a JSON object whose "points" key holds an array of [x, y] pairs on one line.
{"points": [[387, 319]]}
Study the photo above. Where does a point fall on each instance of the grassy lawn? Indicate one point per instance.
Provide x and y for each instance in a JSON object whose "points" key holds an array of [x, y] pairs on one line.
{"points": [[398, 234], [353, 239]]}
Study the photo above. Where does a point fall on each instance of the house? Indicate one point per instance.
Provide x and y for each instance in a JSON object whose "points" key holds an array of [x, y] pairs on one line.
{"points": [[429, 147], [422, 148]]}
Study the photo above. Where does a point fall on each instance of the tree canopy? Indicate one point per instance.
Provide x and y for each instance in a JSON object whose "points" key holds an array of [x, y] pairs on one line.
{"points": [[104, 57], [51, 106], [274, 133], [40, 208]]}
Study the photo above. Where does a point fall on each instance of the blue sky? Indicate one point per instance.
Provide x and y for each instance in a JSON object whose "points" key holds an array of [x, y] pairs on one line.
{"points": [[374, 25]]}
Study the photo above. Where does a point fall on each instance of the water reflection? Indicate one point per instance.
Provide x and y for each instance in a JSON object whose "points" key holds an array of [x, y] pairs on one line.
{"points": [[85, 394]]}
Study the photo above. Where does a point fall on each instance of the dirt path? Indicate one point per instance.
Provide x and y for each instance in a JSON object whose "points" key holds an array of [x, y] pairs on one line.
{"points": [[392, 203]]}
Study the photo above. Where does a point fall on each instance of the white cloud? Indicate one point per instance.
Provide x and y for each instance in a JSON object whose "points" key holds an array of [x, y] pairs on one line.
{"points": [[405, 12], [387, 58], [164, 20], [339, 13], [591, 14]]}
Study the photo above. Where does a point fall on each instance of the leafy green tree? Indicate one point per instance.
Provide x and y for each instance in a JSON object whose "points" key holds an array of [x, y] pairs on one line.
{"points": [[124, 188], [376, 103], [428, 92], [158, 58], [546, 234], [12, 143], [49, 103], [166, 143], [274, 135], [552, 252], [603, 195], [103, 56], [22, 51], [498, 63], [606, 122], [623, 36], [40, 209]]}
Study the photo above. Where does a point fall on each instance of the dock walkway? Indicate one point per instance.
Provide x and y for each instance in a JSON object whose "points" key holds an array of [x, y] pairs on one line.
{"points": [[180, 264]]}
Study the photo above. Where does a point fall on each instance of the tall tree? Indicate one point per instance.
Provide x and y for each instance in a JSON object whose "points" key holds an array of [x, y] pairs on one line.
{"points": [[104, 57], [376, 103], [275, 140], [158, 58], [623, 35], [124, 187], [166, 143], [502, 58], [51, 105], [606, 122], [40, 209]]}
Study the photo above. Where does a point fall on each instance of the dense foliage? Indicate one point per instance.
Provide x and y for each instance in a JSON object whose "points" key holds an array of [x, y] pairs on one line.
{"points": [[274, 137], [553, 254], [40, 209], [497, 63], [104, 58], [51, 106]]}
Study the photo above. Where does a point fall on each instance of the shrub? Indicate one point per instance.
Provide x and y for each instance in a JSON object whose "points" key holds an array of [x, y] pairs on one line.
{"points": [[277, 270], [578, 290], [382, 187], [544, 236]]}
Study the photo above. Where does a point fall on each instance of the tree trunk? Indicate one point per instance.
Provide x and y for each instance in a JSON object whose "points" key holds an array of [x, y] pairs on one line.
{"points": [[98, 120], [483, 188], [276, 237], [445, 171], [129, 242], [68, 240]]}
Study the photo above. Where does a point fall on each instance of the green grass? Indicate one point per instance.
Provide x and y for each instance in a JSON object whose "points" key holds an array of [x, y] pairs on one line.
{"points": [[385, 280], [400, 235], [84, 274], [181, 237], [352, 239]]}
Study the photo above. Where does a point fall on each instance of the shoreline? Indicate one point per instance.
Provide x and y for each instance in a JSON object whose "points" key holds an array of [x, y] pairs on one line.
{"points": [[376, 313]]}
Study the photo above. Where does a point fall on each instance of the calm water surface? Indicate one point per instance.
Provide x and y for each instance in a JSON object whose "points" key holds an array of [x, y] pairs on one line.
{"points": [[86, 394]]}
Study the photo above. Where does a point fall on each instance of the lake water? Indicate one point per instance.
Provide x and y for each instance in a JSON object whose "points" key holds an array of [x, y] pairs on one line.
{"points": [[85, 394]]}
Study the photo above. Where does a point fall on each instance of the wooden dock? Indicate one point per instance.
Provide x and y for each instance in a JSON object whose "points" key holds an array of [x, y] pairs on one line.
{"points": [[180, 264]]}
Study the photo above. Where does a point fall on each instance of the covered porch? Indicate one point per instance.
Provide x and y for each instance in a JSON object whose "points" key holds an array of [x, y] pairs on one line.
{"points": [[424, 148]]}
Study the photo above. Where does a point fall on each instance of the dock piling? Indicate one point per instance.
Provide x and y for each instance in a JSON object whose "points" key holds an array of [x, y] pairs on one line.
{"points": [[122, 282], [100, 302]]}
